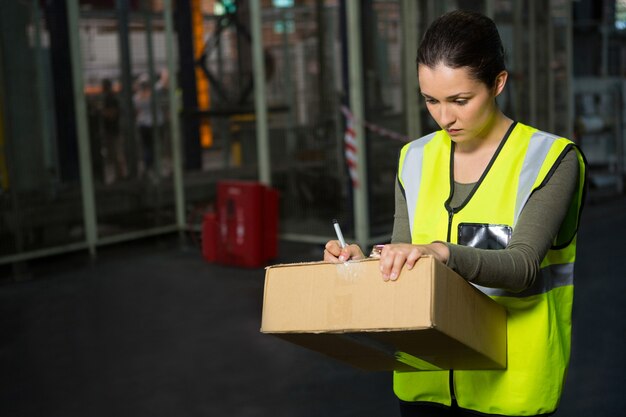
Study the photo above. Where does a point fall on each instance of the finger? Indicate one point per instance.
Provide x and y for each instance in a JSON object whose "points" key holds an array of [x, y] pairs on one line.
{"points": [[333, 247], [398, 262], [413, 256], [381, 265], [345, 254], [329, 257], [355, 251], [387, 261]]}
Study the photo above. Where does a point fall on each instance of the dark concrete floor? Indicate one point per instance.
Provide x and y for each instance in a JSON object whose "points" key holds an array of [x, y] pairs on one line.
{"points": [[150, 329]]}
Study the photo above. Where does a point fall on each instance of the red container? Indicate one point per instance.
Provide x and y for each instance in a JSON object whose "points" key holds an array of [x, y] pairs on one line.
{"points": [[270, 223], [209, 237], [247, 217]]}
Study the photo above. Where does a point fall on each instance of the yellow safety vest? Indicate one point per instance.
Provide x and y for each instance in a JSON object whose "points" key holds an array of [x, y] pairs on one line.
{"points": [[539, 318]]}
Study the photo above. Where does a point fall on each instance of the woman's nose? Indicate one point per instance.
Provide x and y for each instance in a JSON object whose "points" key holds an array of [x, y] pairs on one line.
{"points": [[446, 116]]}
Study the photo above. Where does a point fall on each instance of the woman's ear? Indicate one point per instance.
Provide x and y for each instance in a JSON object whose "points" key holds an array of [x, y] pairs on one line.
{"points": [[500, 82]]}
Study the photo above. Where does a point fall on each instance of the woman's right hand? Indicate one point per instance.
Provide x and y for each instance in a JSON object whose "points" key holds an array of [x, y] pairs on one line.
{"points": [[333, 252]]}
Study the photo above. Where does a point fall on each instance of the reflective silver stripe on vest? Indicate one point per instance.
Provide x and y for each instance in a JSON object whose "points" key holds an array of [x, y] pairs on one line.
{"points": [[412, 176], [538, 148], [548, 278]]}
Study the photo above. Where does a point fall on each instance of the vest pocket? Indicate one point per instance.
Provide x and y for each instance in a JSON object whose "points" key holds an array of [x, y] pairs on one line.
{"points": [[484, 236]]}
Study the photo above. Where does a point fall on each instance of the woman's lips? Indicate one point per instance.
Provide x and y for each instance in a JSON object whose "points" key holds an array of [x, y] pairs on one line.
{"points": [[453, 131]]}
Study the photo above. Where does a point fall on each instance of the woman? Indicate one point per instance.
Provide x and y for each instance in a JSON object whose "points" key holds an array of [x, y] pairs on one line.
{"points": [[498, 202]]}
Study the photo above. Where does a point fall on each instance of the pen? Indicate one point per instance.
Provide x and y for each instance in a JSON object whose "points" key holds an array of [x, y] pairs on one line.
{"points": [[342, 242]]}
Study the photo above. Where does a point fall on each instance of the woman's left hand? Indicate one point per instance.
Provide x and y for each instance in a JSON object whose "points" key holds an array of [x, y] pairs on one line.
{"points": [[394, 256]]}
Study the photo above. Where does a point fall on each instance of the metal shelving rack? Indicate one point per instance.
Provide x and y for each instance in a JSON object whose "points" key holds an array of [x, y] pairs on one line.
{"points": [[600, 119]]}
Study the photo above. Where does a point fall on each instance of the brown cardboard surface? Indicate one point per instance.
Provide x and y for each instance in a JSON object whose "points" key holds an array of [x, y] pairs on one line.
{"points": [[430, 318]]}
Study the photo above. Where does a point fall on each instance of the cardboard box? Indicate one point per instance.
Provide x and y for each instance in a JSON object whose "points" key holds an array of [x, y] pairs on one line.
{"points": [[429, 319]]}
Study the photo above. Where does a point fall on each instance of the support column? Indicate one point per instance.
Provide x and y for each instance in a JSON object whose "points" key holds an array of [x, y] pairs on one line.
{"points": [[518, 64], [82, 128], [569, 51], [550, 58], [260, 104], [122, 12], [409, 73], [489, 9], [187, 78], [532, 63], [177, 160], [355, 77]]}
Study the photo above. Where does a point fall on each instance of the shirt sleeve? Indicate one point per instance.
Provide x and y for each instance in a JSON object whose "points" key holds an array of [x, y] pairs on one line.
{"points": [[401, 231]]}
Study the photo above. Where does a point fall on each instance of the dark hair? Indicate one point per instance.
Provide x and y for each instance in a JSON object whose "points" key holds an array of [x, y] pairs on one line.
{"points": [[464, 38]]}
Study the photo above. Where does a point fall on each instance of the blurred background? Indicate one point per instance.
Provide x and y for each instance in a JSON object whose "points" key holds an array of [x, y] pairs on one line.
{"points": [[120, 118], [81, 166]]}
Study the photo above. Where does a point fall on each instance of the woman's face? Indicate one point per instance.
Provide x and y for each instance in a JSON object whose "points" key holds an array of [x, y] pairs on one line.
{"points": [[461, 105]]}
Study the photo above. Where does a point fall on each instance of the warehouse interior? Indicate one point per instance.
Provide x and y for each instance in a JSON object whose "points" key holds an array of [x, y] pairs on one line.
{"points": [[115, 296]]}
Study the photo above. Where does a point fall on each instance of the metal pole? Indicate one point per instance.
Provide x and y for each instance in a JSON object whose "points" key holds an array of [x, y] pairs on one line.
{"points": [[321, 61], [518, 66], [430, 11], [82, 129], [355, 76], [532, 63], [569, 50], [604, 44], [127, 108], [489, 8], [260, 105], [177, 160], [156, 123], [409, 49], [288, 77], [550, 60], [46, 134], [290, 136]]}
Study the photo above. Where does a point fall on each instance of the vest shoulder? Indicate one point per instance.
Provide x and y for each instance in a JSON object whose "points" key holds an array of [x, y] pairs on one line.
{"points": [[537, 134], [421, 142]]}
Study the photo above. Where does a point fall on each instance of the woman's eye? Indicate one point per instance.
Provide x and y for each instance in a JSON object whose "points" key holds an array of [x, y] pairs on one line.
{"points": [[461, 102], [430, 100]]}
